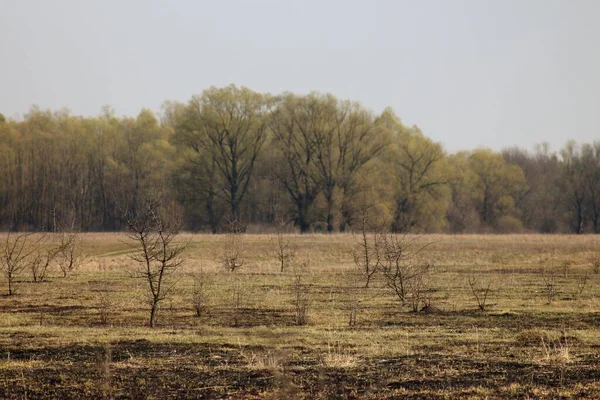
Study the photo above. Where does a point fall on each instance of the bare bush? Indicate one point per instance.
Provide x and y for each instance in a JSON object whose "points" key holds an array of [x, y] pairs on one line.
{"points": [[70, 255], [104, 306], [284, 248], [199, 295], [480, 290], [581, 284], [354, 301], [233, 256], [15, 256], [43, 255], [549, 278], [404, 274], [418, 298], [367, 257], [301, 291], [153, 232]]}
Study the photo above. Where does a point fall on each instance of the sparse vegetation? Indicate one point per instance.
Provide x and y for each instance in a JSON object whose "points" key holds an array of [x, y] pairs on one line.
{"points": [[284, 248], [313, 331], [153, 232], [69, 255], [404, 273], [16, 256], [233, 255], [301, 290], [199, 292], [548, 274], [480, 289]]}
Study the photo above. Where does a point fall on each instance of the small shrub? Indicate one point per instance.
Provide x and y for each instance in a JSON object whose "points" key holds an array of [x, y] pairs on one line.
{"points": [[301, 292], [404, 274], [581, 284], [480, 290], [199, 292], [233, 256], [70, 255], [548, 275], [284, 248]]}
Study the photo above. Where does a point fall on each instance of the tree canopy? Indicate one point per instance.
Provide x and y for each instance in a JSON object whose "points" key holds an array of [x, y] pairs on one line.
{"points": [[315, 161]]}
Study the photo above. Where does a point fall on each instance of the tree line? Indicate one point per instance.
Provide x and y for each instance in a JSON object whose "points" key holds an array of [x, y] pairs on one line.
{"points": [[312, 161]]}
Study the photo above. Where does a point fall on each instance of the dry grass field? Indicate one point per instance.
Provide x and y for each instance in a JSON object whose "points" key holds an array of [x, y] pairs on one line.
{"points": [[87, 335]]}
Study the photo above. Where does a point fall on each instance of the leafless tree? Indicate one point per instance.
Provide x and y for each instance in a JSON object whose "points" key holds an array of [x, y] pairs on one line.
{"points": [[15, 256], [70, 255], [549, 278], [403, 272], [233, 255], [284, 248], [367, 257], [301, 291], [581, 284], [199, 293], [480, 290], [153, 232], [43, 255]]}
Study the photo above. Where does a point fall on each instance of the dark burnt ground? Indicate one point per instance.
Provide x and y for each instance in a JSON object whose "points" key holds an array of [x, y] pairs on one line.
{"points": [[143, 369]]}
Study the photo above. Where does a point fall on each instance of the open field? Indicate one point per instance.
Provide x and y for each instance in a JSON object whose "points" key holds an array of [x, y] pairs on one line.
{"points": [[86, 335]]}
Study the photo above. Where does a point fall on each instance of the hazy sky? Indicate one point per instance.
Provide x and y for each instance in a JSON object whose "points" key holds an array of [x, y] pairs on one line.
{"points": [[469, 72]]}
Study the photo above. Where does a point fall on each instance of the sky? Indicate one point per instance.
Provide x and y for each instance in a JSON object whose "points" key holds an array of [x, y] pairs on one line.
{"points": [[469, 73]]}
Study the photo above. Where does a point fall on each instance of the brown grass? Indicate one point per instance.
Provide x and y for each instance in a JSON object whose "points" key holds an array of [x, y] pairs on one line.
{"points": [[52, 334]]}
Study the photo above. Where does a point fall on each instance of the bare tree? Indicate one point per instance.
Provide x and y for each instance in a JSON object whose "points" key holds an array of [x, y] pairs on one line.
{"points": [[367, 257], [284, 249], [233, 256], [480, 290], [301, 291], [153, 232], [403, 272], [16, 255], [43, 255], [549, 278], [70, 255], [199, 292]]}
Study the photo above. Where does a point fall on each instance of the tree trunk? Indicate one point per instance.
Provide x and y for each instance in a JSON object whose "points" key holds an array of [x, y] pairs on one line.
{"points": [[329, 198], [10, 284], [153, 314], [302, 219], [212, 218], [329, 222]]}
